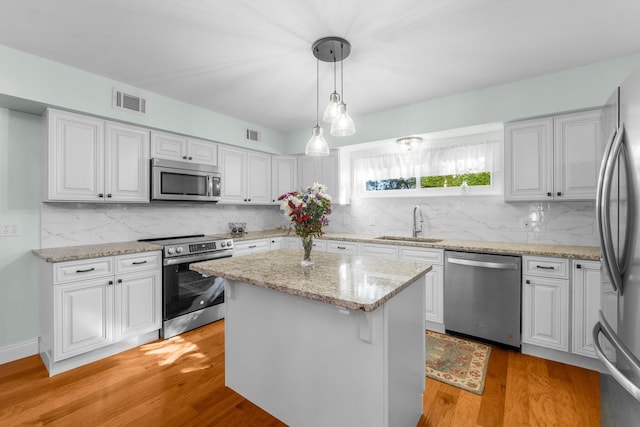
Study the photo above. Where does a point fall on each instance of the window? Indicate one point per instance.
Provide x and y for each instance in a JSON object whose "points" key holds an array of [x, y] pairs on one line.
{"points": [[442, 169]]}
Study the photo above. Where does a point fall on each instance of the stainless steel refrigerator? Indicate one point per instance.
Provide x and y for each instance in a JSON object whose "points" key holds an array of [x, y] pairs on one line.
{"points": [[617, 334]]}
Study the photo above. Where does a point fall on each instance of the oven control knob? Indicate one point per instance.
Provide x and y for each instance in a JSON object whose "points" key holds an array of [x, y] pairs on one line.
{"points": [[223, 244], [179, 250], [170, 251]]}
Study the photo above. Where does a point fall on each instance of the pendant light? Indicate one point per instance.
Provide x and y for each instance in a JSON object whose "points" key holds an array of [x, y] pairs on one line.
{"points": [[331, 112], [335, 49], [343, 124], [317, 145]]}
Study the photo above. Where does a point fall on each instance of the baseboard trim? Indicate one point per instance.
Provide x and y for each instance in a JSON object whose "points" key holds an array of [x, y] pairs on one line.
{"points": [[17, 351], [563, 357]]}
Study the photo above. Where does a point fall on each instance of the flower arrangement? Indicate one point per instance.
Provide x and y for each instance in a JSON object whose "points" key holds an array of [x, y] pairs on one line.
{"points": [[307, 210]]}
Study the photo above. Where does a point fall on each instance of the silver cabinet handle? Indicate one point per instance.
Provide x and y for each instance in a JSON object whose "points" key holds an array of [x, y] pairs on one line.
{"points": [[602, 327], [604, 214], [496, 265]]}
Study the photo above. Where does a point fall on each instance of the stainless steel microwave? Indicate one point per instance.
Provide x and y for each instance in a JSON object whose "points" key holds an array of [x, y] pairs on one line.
{"points": [[184, 181]]}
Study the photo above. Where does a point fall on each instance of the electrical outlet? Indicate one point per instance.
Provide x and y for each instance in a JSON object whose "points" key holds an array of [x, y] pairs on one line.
{"points": [[10, 230]]}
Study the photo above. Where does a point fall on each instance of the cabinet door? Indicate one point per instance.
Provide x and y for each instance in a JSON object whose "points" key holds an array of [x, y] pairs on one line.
{"points": [[528, 156], [284, 171], [258, 178], [587, 287], [435, 295], [75, 157], [203, 152], [138, 303], [545, 312], [308, 170], [126, 163], [578, 153], [168, 146], [83, 317], [232, 163]]}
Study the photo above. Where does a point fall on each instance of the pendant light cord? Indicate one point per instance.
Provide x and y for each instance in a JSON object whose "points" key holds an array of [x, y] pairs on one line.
{"points": [[317, 90], [342, 71]]}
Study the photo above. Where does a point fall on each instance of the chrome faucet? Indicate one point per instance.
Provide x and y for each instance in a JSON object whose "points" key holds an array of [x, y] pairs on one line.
{"points": [[416, 230]]}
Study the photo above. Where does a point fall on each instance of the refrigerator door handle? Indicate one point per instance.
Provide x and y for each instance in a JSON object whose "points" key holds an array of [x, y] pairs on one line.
{"points": [[602, 327], [604, 214]]}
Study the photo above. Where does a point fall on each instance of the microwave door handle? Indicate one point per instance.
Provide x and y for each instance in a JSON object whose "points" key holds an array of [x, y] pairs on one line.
{"points": [[602, 327], [604, 222], [209, 186]]}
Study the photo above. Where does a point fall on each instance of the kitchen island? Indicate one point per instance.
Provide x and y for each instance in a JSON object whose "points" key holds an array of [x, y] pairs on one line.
{"points": [[339, 344]]}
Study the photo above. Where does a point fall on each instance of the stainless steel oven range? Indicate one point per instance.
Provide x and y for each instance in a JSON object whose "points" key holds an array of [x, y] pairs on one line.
{"points": [[190, 299]]}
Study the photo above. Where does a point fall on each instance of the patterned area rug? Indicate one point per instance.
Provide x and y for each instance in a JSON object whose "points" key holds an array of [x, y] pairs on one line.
{"points": [[457, 361]]}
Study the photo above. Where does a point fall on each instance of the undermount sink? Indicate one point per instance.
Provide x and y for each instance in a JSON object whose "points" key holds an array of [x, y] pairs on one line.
{"points": [[409, 239]]}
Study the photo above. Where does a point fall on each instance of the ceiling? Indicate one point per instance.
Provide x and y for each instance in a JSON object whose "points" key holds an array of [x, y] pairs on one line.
{"points": [[252, 59]]}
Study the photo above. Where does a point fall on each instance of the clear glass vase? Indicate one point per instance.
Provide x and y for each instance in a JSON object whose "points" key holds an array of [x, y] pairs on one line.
{"points": [[307, 245]]}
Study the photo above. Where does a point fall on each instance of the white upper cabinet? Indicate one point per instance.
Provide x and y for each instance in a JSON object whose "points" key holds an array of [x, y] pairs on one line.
{"points": [[246, 176], [333, 171], [175, 147], [126, 163], [284, 175], [553, 158], [85, 166], [578, 154], [528, 153]]}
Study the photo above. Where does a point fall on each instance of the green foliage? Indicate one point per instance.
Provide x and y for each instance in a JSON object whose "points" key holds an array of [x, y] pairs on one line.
{"points": [[473, 179]]}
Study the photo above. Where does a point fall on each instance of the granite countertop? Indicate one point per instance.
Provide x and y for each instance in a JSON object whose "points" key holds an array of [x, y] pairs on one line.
{"points": [[352, 282], [73, 253], [506, 248]]}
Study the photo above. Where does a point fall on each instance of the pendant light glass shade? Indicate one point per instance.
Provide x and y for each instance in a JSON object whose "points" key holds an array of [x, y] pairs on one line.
{"points": [[343, 124], [317, 145], [331, 112]]}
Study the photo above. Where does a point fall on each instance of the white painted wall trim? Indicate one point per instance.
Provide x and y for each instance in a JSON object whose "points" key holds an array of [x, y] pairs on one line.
{"points": [[17, 351]]}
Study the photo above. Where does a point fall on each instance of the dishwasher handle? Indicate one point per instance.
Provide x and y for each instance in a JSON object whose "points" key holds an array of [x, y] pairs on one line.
{"points": [[471, 263]]}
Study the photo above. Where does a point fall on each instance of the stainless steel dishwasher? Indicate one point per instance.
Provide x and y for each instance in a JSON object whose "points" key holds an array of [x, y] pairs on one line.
{"points": [[482, 294]]}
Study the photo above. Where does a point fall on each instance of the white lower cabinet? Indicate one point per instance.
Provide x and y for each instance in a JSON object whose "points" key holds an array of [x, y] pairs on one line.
{"points": [[434, 313], [545, 302], [248, 247], [342, 247], [379, 251], [89, 306], [587, 300]]}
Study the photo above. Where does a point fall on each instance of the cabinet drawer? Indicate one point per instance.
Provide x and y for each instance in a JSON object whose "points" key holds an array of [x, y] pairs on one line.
{"points": [[379, 251], [319, 245], [72, 271], [336, 247], [546, 267], [431, 256], [247, 247], [137, 262]]}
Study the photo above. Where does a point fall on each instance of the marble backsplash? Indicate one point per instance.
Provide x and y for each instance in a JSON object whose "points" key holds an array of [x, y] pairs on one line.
{"points": [[472, 218]]}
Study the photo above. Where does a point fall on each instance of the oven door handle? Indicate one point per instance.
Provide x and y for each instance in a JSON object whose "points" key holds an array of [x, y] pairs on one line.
{"points": [[199, 257]]}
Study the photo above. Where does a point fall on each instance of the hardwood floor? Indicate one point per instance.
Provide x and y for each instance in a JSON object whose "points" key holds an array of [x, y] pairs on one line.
{"points": [[180, 382]]}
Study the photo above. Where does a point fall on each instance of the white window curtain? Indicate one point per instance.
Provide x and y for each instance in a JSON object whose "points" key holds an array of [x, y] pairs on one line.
{"points": [[473, 157], [460, 159], [386, 166]]}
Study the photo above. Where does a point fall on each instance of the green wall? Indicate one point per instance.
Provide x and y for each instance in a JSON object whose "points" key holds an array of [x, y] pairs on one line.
{"points": [[20, 139], [30, 82], [574, 89]]}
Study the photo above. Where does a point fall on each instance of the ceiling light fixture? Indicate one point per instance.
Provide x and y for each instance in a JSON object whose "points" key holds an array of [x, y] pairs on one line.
{"points": [[317, 145], [335, 49], [409, 142]]}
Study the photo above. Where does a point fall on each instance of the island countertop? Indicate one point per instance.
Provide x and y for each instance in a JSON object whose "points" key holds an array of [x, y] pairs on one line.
{"points": [[352, 282]]}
